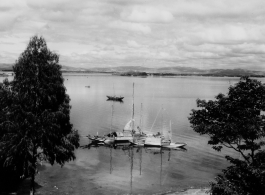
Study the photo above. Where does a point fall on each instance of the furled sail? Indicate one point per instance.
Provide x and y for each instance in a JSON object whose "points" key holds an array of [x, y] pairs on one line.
{"points": [[129, 126]]}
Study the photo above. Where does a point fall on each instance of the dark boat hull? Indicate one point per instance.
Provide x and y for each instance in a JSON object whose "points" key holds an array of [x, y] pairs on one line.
{"points": [[114, 98]]}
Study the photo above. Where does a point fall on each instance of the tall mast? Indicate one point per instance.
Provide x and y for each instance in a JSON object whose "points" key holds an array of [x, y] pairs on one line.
{"points": [[133, 110], [162, 122], [141, 116], [170, 131], [111, 117]]}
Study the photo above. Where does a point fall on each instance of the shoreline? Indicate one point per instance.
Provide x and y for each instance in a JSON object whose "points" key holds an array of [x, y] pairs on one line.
{"points": [[195, 191], [75, 180], [24, 189], [146, 75]]}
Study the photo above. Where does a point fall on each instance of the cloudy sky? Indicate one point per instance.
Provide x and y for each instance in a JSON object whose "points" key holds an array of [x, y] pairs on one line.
{"points": [[153, 33]]}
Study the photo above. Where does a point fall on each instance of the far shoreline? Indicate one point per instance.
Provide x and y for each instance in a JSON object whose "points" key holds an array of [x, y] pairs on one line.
{"points": [[9, 72], [124, 74]]}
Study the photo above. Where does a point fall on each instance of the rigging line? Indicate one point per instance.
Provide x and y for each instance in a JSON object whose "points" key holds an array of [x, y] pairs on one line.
{"points": [[155, 119]]}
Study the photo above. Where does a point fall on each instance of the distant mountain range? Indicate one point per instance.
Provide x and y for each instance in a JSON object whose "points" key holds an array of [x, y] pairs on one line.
{"points": [[178, 70]]}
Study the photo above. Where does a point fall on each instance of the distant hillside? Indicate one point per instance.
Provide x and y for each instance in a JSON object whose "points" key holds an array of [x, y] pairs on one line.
{"points": [[232, 72], [6, 67], [122, 69], [177, 70]]}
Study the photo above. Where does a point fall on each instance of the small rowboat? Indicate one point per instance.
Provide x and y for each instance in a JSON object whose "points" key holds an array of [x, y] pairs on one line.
{"points": [[115, 98]]}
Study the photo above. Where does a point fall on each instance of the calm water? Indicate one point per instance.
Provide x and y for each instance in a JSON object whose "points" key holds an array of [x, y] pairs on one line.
{"points": [[146, 172], [143, 171]]}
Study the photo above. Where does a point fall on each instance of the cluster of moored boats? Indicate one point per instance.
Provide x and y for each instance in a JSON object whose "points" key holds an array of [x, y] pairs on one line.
{"points": [[134, 137]]}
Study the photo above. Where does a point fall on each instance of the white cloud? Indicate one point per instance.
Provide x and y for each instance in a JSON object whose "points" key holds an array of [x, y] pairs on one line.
{"points": [[7, 21], [130, 26], [147, 14], [249, 48], [132, 43], [59, 16], [221, 8], [221, 33]]}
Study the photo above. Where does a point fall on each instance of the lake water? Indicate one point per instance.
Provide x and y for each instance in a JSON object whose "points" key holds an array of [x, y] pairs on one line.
{"points": [[140, 171], [151, 173]]}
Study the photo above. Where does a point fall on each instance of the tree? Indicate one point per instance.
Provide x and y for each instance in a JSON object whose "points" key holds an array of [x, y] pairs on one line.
{"points": [[235, 121], [35, 113]]}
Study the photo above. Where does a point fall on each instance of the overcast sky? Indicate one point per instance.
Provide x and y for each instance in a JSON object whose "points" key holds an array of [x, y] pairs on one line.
{"points": [[101, 33]]}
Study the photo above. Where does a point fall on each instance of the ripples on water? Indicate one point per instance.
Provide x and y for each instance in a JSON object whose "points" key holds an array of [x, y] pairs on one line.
{"points": [[144, 171]]}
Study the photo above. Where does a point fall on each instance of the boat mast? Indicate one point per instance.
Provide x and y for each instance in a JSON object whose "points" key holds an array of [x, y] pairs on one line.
{"points": [[170, 131], [162, 122], [111, 116], [133, 110], [141, 116]]}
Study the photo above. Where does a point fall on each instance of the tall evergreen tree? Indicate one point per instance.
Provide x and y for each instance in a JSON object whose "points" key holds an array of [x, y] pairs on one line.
{"points": [[35, 117]]}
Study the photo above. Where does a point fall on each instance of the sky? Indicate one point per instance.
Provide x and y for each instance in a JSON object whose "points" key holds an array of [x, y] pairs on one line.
{"points": [[205, 34]]}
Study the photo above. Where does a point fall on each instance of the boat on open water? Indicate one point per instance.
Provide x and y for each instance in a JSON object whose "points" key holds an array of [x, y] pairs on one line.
{"points": [[115, 98]]}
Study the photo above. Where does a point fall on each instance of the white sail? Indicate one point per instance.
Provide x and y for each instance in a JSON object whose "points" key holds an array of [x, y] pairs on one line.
{"points": [[129, 126]]}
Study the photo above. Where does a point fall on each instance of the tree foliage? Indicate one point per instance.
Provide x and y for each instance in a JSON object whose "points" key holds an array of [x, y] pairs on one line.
{"points": [[35, 112], [235, 121], [242, 178]]}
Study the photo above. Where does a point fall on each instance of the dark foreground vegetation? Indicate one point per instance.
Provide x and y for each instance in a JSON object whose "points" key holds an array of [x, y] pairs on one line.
{"points": [[34, 117], [235, 121]]}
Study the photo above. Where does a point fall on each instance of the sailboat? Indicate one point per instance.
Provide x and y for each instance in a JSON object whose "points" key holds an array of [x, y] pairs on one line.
{"points": [[109, 139], [128, 131], [155, 140], [170, 144]]}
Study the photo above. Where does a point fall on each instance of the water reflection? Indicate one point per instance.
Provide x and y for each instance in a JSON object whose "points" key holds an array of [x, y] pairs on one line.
{"points": [[134, 156], [118, 101], [92, 114]]}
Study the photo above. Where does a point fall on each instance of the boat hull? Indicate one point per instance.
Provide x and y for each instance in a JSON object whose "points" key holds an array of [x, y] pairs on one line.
{"points": [[175, 145], [119, 140], [114, 98]]}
